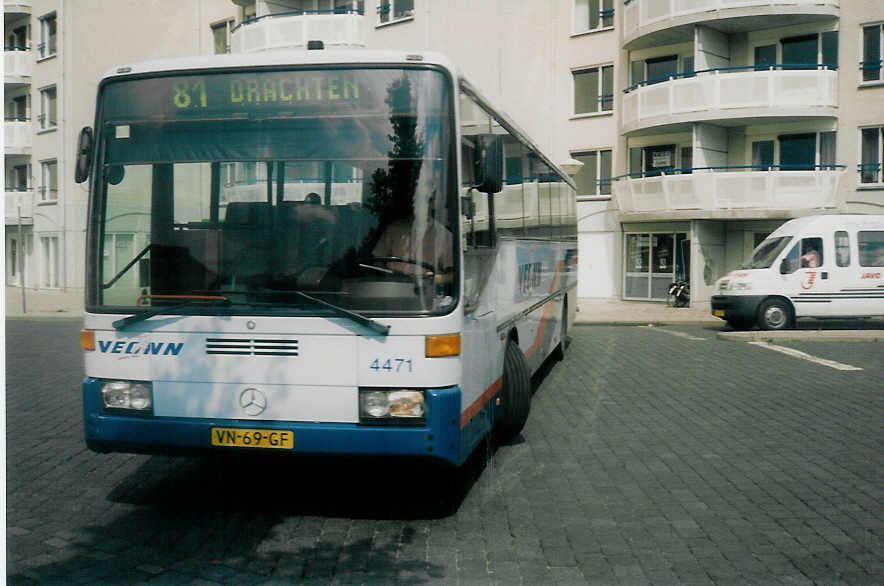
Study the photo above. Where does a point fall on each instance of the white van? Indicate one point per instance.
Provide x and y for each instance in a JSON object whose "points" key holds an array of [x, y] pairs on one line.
{"points": [[816, 266]]}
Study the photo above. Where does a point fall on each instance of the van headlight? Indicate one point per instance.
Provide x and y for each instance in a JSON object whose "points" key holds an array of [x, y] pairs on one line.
{"points": [[741, 286], [402, 406], [127, 395]]}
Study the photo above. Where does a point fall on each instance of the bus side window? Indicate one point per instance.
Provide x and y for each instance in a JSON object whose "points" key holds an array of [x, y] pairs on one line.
{"points": [[842, 248]]}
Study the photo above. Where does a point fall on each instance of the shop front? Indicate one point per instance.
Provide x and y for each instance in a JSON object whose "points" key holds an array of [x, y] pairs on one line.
{"points": [[653, 260]]}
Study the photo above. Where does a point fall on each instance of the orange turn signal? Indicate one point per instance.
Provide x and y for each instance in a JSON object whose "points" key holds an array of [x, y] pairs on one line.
{"points": [[87, 339], [439, 346]]}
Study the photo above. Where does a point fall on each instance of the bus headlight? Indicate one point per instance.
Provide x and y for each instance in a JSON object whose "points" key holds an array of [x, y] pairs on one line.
{"points": [[392, 406], [131, 395]]}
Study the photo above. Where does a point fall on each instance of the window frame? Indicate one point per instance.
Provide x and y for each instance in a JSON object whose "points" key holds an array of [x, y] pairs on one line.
{"points": [[862, 52], [46, 122], [576, 30], [877, 165], [50, 263], [48, 194], [602, 98], [227, 24], [388, 8], [600, 177], [47, 38]]}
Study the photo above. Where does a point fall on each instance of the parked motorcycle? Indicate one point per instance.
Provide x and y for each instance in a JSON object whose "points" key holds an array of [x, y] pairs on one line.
{"points": [[679, 293]]}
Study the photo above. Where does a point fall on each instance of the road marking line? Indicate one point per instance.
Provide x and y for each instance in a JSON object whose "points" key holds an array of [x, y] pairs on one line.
{"points": [[805, 356], [673, 333]]}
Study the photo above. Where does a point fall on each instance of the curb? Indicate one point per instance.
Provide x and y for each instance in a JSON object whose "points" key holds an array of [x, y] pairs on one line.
{"points": [[805, 336]]}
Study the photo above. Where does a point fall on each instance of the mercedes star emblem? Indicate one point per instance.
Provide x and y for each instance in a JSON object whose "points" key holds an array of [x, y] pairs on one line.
{"points": [[252, 401]]}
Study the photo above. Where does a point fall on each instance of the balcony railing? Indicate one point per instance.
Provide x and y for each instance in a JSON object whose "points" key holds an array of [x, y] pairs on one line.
{"points": [[728, 89], [638, 14], [17, 134], [15, 199], [287, 30], [18, 64], [718, 189]]}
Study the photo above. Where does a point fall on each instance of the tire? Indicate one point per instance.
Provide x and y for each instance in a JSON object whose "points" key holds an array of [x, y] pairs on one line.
{"points": [[558, 352], [775, 314], [515, 396]]}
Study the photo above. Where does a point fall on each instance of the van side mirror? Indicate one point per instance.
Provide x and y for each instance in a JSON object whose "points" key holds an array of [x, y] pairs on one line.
{"points": [[84, 155], [785, 267], [489, 163]]}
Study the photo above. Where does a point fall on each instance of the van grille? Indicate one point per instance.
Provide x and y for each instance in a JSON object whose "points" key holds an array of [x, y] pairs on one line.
{"points": [[250, 347]]}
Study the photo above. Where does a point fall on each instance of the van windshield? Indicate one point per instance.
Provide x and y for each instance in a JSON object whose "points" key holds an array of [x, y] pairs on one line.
{"points": [[766, 253]]}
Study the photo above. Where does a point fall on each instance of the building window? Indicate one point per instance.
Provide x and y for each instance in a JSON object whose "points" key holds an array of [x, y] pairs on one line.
{"points": [[18, 39], [592, 15], [872, 42], [393, 10], [48, 108], [18, 178], [594, 178], [594, 90], [48, 35], [49, 181], [49, 262], [221, 36], [249, 11], [872, 153]]}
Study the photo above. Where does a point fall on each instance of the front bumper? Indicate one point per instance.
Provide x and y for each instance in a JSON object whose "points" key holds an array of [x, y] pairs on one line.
{"points": [[739, 307], [438, 438]]}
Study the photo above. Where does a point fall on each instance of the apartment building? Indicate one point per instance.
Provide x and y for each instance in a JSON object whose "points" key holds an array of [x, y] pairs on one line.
{"points": [[55, 51], [701, 125]]}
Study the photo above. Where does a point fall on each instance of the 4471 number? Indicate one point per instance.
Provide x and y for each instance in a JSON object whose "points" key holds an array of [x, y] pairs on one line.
{"points": [[391, 365]]}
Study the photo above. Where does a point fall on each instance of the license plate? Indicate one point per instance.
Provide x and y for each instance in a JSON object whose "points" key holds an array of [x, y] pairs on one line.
{"points": [[718, 313], [253, 438]]}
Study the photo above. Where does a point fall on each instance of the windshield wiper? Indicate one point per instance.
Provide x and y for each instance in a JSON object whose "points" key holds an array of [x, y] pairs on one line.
{"points": [[189, 300], [357, 317]]}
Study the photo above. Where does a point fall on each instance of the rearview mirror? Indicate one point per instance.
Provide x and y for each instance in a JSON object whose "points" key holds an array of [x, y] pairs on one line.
{"points": [[84, 155], [489, 163]]}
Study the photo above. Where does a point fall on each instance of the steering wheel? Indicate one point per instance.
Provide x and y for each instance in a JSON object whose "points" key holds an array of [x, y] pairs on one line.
{"points": [[370, 263]]}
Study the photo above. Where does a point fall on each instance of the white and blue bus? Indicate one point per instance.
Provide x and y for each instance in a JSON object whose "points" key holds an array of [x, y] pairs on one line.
{"points": [[319, 252]]}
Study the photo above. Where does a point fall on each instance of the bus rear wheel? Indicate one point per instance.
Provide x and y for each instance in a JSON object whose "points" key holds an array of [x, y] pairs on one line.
{"points": [[515, 396]]}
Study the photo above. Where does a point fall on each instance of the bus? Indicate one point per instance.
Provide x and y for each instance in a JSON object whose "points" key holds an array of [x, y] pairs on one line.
{"points": [[316, 252]]}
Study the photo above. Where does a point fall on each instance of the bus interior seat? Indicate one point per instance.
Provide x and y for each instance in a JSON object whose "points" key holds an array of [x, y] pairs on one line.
{"points": [[246, 246]]}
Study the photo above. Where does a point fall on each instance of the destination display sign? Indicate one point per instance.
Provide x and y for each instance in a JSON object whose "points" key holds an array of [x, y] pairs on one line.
{"points": [[250, 94]]}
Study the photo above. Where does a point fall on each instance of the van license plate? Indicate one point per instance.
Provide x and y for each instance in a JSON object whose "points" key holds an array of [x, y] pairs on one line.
{"points": [[253, 438], [718, 313]]}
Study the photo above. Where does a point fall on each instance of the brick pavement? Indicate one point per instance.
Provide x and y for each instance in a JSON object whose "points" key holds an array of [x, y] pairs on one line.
{"points": [[647, 459]]}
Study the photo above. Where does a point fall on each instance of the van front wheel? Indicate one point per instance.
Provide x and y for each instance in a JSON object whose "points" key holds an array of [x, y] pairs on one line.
{"points": [[775, 314]]}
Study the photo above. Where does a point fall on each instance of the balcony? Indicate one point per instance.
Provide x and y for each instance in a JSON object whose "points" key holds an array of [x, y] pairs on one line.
{"points": [[654, 22], [17, 136], [13, 198], [291, 30], [724, 192], [732, 93], [17, 6], [18, 65]]}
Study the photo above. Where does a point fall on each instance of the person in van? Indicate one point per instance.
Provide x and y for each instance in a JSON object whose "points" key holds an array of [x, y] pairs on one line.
{"points": [[810, 259]]}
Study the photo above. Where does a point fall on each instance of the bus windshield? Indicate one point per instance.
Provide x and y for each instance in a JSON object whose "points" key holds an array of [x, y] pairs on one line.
{"points": [[257, 187]]}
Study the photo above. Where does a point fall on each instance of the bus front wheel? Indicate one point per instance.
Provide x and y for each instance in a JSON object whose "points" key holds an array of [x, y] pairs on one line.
{"points": [[515, 396]]}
